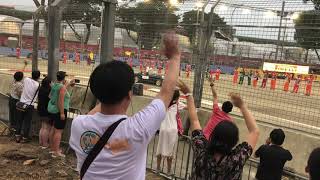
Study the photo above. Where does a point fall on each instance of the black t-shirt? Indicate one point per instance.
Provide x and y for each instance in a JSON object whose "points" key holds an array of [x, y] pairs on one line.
{"points": [[272, 160], [43, 100]]}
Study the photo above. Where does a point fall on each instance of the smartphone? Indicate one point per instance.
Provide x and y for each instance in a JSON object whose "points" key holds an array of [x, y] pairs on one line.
{"points": [[77, 81]]}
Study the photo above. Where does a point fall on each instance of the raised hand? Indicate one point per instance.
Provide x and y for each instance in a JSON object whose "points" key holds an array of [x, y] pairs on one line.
{"points": [[236, 100], [183, 87], [211, 80], [170, 42]]}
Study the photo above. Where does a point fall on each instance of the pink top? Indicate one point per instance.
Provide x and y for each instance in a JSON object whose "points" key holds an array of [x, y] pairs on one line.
{"points": [[217, 116]]}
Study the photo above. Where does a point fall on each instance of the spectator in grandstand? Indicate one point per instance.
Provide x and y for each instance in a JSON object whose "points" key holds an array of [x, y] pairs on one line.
{"points": [[58, 108], [168, 136], [217, 158], [43, 100], [313, 166], [272, 157], [124, 156], [242, 75], [28, 97], [218, 115], [16, 88]]}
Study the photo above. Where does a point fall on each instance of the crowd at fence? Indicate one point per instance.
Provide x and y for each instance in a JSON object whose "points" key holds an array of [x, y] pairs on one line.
{"points": [[119, 145]]}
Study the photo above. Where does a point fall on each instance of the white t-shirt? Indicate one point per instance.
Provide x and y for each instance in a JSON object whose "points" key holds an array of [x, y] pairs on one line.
{"points": [[130, 140], [30, 87]]}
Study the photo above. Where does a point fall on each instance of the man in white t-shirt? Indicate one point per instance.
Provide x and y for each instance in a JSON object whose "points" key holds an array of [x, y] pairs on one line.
{"points": [[28, 96], [124, 156]]}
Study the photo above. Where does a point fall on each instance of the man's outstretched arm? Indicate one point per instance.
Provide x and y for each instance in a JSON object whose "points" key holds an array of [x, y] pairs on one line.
{"points": [[172, 52]]}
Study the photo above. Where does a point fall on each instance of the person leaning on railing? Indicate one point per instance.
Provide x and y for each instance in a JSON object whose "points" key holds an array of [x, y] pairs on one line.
{"points": [[216, 158], [16, 88]]}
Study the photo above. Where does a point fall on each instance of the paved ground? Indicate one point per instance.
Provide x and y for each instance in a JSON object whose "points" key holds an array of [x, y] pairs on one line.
{"points": [[287, 109]]}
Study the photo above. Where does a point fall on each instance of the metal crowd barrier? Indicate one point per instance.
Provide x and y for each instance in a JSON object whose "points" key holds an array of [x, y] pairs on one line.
{"points": [[36, 122], [4, 113], [183, 161]]}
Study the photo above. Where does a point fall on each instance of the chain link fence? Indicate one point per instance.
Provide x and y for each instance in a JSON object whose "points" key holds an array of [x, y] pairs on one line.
{"points": [[243, 38]]}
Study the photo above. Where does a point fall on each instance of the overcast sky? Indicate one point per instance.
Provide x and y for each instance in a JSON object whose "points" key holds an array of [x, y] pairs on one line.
{"points": [[233, 15], [17, 2]]}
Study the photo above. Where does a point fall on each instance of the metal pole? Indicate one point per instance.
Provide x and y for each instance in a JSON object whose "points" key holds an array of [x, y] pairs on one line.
{"points": [[201, 55], [107, 34], [54, 41], [20, 35], [54, 26], [279, 32], [231, 23], [283, 38], [35, 43]]}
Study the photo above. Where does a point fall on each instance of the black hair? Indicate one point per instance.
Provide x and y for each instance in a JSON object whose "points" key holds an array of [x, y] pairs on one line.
{"points": [[227, 107], [46, 82], [314, 164], [111, 82], [175, 97], [222, 140], [35, 75], [277, 137], [61, 75], [18, 76]]}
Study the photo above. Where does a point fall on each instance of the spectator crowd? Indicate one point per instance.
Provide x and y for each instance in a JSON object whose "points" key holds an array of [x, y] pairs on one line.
{"points": [[111, 145]]}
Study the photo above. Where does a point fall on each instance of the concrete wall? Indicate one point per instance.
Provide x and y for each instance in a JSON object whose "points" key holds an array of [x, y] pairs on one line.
{"points": [[299, 143]]}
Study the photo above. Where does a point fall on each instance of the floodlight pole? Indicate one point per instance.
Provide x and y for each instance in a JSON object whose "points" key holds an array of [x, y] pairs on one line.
{"points": [[54, 19], [107, 32]]}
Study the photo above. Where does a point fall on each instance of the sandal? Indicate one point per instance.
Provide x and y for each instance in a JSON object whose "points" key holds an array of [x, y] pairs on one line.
{"points": [[55, 155]]}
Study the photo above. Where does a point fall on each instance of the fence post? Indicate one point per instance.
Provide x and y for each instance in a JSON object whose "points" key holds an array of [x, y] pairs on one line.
{"points": [[35, 43], [107, 32], [54, 17], [202, 55]]}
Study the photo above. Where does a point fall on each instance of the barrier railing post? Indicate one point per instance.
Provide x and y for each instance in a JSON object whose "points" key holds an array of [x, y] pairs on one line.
{"points": [[188, 159]]}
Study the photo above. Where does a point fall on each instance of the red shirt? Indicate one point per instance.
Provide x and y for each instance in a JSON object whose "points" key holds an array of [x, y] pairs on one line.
{"points": [[217, 116]]}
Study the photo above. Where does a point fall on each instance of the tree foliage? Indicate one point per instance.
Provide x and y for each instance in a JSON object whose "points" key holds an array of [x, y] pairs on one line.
{"points": [[148, 20], [307, 30], [86, 12], [20, 14], [191, 18]]}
